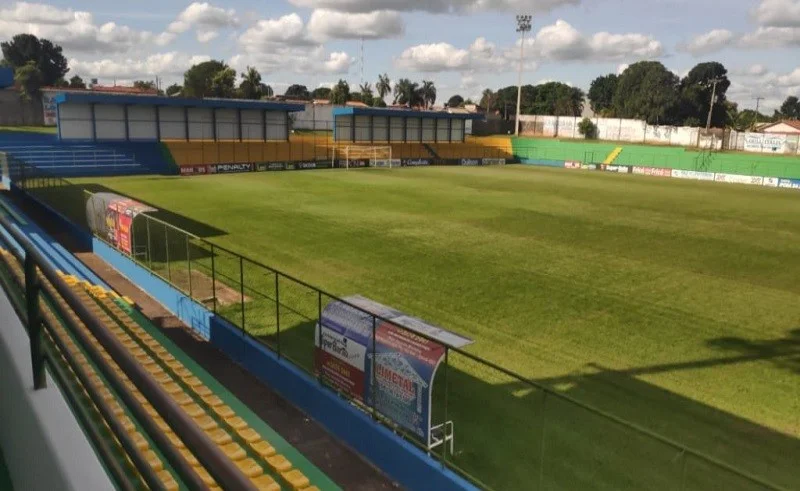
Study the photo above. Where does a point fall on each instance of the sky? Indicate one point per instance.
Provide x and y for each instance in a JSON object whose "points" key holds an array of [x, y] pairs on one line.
{"points": [[464, 46]]}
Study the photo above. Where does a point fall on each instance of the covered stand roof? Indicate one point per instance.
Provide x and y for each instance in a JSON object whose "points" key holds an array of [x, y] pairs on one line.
{"points": [[402, 113], [144, 100]]}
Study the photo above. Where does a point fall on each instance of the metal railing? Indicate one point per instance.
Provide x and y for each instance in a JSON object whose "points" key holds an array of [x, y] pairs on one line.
{"points": [[38, 293], [510, 432]]}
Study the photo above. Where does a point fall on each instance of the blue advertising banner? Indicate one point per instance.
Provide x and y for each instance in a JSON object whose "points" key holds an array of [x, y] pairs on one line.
{"points": [[378, 363]]}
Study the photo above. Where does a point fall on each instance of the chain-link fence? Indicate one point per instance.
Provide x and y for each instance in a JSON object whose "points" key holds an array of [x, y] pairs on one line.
{"points": [[495, 427]]}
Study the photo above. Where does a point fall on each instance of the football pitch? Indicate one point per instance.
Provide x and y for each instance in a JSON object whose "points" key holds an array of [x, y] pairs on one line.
{"points": [[674, 305]]}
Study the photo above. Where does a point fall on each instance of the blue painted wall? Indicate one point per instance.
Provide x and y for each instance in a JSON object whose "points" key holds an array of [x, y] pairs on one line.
{"points": [[6, 77]]}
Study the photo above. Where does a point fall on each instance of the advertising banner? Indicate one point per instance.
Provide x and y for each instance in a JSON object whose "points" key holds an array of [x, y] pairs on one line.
{"points": [[764, 142], [416, 162], [305, 165], [652, 171], [270, 166], [789, 183], [589, 166], [470, 162], [493, 161], [357, 163], [771, 182], [379, 363], [739, 179], [623, 169], [232, 168], [119, 220], [49, 108], [191, 170], [691, 174], [569, 164]]}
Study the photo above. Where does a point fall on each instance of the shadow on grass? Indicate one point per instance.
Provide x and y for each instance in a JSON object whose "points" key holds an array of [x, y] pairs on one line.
{"points": [[513, 435]]}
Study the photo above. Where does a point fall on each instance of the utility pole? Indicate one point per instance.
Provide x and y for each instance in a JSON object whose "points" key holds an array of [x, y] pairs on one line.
{"points": [[714, 83], [758, 102], [523, 26]]}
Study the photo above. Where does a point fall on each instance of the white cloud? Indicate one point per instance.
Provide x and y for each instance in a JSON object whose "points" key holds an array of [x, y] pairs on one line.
{"points": [[288, 29], [74, 30], [562, 42], [771, 37], [160, 64], [607, 46], [380, 24], [773, 87], [709, 42], [750, 71], [205, 18], [621, 68], [437, 57], [437, 6], [778, 13], [295, 59]]}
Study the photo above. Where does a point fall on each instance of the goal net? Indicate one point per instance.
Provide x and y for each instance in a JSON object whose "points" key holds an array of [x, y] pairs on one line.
{"points": [[367, 156]]}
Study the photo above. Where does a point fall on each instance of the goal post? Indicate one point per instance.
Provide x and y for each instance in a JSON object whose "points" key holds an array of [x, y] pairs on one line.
{"points": [[373, 156]]}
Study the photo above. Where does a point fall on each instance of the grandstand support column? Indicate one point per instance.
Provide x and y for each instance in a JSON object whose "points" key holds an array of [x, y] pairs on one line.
{"points": [[214, 125], [186, 121], [94, 122], [158, 123], [264, 125], [371, 128], [405, 130], [32, 289], [127, 123], [239, 122], [449, 130]]}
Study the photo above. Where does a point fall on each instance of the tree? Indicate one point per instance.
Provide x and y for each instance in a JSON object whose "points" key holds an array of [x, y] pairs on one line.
{"points": [[29, 79], [174, 90], [384, 86], [321, 93], [77, 82], [790, 108], [366, 94], [340, 93], [378, 102], [198, 79], [556, 98], [488, 100], [588, 129], [223, 83], [266, 91], [647, 90], [455, 101], [696, 89], [297, 91], [601, 93], [48, 57], [407, 93], [250, 87], [144, 84], [428, 93], [469, 102]]}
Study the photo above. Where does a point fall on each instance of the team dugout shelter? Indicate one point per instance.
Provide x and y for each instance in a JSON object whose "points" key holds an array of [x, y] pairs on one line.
{"points": [[104, 117]]}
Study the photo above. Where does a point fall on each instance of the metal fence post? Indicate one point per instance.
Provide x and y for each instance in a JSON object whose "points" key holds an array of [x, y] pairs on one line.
{"points": [[319, 327], [278, 315], [241, 286], [372, 388], [166, 248], [189, 265], [444, 422], [32, 288], [213, 279], [148, 249]]}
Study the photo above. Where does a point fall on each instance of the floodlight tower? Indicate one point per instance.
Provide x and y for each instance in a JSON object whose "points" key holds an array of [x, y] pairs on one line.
{"points": [[523, 26]]}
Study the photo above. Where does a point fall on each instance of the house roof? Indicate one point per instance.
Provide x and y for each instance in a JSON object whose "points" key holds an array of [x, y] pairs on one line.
{"points": [[405, 113], [788, 122], [146, 100]]}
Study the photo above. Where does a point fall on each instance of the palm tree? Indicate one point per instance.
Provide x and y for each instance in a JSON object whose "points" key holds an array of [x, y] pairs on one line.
{"points": [[407, 92], [251, 84], [428, 93], [366, 93], [384, 86]]}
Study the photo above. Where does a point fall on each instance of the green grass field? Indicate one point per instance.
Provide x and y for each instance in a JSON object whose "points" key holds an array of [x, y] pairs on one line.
{"points": [[674, 305]]}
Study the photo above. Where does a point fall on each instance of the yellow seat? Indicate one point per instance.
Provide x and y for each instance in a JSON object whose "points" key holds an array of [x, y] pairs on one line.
{"points": [[167, 480], [206, 422], [189, 457], [172, 388], [213, 400], [265, 482], [193, 410], [296, 479], [279, 463], [219, 436], [223, 411], [192, 381], [249, 435], [153, 461], [263, 448], [233, 451], [236, 423], [202, 390], [249, 467], [205, 476]]}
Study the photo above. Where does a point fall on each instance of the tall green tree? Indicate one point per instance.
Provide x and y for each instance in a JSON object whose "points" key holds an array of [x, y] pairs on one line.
{"points": [[556, 98], [601, 93], [197, 81], [696, 90], [297, 91], [340, 93], [266, 91], [407, 93], [791, 108], [144, 84], [223, 84], [29, 79], [250, 86], [366, 94], [455, 101], [488, 100], [384, 86], [48, 57], [174, 89], [647, 90], [321, 93], [428, 93], [77, 82]]}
